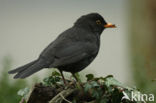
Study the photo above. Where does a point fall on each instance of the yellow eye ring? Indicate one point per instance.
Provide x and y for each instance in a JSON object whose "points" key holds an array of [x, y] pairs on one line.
{"points": [[98, 22]]}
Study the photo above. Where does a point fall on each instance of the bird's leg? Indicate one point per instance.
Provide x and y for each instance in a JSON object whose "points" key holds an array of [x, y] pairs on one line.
{"points": [[63, 77], [75, 77], [77, 80]]}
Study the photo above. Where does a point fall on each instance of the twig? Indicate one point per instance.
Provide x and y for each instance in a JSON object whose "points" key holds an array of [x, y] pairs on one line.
{"points": [[62, 95], [22, 100], [65, 98], [91, 101]]}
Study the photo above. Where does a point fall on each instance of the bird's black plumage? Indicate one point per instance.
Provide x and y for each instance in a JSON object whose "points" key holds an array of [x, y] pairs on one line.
{"points": [[72, 51]]}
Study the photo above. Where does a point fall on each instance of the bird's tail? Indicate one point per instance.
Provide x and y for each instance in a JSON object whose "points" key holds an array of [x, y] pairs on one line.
{"points": [[29, 69]]}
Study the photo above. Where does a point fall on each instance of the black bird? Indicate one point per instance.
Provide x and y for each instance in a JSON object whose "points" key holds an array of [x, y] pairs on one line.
{"points": [[72, 51]]}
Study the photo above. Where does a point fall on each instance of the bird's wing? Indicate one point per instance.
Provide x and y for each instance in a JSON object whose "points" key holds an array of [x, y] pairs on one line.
{"points": [[69, 47], [73, 53]]}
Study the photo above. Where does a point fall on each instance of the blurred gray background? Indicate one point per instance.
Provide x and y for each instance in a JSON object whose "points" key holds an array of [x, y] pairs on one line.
{"points": [[28, 26]]}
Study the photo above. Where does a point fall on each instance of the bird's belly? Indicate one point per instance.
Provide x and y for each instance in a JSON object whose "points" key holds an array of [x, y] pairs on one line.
{"points": [[78, 66]]}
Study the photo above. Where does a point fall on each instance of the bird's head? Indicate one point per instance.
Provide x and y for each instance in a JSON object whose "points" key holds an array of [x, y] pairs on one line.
{"points": [[93, 22]]}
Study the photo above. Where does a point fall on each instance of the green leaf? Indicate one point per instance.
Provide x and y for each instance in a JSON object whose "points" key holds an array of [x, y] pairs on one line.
{"points": [[52, 80], [108, 76], [55, 73], [57, 79], [116, 95], [94, 84], [103, 100], [23, 92], [95, 94], [87, 86], [78, 77], [47, 81], [109, 80], [74, 101], [89, 77]]}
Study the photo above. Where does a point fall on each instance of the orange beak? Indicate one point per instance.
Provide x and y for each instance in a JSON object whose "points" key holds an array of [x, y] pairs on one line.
{"points": [[109, 25]]}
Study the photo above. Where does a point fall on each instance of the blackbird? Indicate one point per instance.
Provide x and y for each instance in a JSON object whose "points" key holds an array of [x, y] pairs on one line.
{"points": [[72, 51]]}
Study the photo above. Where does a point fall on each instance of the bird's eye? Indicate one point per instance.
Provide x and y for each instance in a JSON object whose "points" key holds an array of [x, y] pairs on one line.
{"points": [[98, 22]]}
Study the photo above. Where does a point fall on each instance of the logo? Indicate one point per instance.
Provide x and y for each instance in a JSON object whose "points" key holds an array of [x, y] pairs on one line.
{"points": [[137, 96]]}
